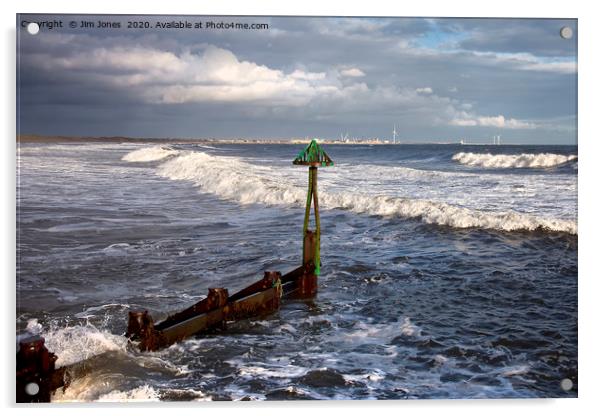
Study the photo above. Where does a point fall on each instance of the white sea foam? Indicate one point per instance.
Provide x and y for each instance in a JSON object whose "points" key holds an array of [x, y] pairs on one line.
{"points": [[524, 160], [88, 387], [440, 359], [440, 213], [104, 388], [373, 376], [230, 178], [146, 393], [409, 329], [381, 333], [150, 154], [140, 394], [515, 370], [73, 344], [76, 344], [287, 371], [233, 179], [94, 310], [34, 327]]}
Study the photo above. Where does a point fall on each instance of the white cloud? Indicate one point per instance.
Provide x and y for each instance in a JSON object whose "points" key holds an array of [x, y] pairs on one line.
{"points": [[353, 28], [562, 67], [529, 62], [464, 122], [513, 61], [218, 75], [352, 72], [298, 74], [214, 75], [131, 60], [465, 119]]}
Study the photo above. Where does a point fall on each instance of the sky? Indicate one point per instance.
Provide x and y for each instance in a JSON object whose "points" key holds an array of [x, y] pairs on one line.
{"points": [[435, 79]]}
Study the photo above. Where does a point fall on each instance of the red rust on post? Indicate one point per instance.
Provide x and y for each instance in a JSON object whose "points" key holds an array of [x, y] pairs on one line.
{"points": [[37, 377], [141, 327], [307, 284]]}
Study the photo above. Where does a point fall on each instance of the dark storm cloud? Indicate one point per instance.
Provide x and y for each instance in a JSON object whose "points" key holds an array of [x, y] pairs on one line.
{"points": [[434, 78]]}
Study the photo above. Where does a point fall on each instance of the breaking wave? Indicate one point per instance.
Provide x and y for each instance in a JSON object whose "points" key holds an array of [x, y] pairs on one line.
{"points": [[78, 346], [231, 178], [524, 160], [440, 213], [150, 154], [73, 344]]}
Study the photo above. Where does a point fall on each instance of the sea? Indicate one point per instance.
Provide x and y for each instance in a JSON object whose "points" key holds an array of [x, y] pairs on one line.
{"points": [[448, 271]]}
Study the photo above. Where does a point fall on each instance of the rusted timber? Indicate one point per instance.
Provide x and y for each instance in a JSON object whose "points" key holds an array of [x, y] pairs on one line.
{"points": [[37, 377], [216, 297], [307, 285], [258, 299], [265, 300]]}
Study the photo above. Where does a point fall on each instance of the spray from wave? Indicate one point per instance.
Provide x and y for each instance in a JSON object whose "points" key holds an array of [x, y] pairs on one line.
{"points": [[97, 360], [77, 343], [231, 178], [524, 160], [149, 154]]}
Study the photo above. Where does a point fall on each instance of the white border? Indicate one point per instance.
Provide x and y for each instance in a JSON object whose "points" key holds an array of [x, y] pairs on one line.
{"points": [[590, 152]]}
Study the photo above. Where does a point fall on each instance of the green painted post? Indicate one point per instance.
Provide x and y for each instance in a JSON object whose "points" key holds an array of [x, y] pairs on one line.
{"points": [[307, 208], [317, 214], [313, 156]]}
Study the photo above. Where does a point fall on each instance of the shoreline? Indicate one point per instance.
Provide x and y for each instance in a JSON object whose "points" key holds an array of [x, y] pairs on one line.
{"points": [[32, 138]]}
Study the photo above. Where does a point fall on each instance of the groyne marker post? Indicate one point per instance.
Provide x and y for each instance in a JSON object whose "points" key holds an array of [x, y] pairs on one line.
{"points": [[313, 156]]}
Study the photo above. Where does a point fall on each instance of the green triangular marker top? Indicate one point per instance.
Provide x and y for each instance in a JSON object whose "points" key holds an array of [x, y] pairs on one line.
{"points": [[313, 155]]}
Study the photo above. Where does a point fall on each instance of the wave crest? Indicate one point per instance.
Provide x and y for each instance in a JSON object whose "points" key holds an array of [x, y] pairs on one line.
{"points": [[231, 178], [440, 213], [150, 154], [524, 160]]}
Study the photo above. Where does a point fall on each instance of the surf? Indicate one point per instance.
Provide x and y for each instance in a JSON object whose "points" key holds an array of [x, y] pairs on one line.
{"points": [[233, 179], [523, 160], [150, 154]]}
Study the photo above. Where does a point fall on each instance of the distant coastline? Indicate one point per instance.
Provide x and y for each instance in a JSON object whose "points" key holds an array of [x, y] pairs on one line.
{"points": [[34, 138]]}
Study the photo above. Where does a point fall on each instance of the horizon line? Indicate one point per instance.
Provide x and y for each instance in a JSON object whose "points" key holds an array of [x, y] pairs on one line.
{"points": [[291, 140]]}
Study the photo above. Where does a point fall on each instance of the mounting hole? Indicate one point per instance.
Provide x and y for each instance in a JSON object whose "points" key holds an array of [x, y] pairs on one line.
{"points": [[566, 32], [566, 384], [33, 28], [32, 389]]}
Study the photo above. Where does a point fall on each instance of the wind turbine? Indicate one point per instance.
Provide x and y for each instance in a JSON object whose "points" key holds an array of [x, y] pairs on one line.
{"points": [[394, 133]]}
